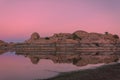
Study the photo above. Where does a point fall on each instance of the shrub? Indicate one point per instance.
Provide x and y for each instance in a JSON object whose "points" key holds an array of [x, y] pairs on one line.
{"points": [[47, 38], [106, 33]]}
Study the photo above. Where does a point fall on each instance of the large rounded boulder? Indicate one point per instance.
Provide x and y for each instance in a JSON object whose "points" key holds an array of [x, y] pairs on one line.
{"points": [[80, 34], [35, 36]]}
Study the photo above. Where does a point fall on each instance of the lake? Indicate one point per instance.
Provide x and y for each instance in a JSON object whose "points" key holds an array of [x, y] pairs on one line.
{"points": [[15, 66]]}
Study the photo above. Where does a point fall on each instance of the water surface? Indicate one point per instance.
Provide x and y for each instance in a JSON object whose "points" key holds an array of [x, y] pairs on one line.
{"points": [[30, 67]]}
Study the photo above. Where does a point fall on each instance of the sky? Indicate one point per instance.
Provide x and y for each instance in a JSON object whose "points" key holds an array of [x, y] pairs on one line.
{"points": [[20, 18]]}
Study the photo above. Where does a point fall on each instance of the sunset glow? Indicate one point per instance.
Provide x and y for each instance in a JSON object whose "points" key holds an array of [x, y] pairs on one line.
{"points": [[20, 18]]}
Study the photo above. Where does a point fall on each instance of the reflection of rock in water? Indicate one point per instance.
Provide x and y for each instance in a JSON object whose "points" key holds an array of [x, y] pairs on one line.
{"points": [[34, 60], [76, 59], [2, 51], [96, 59]]}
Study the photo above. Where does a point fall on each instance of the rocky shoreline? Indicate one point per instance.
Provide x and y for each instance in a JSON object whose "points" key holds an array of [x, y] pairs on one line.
{"points": [[78, 40], [107, 72]]}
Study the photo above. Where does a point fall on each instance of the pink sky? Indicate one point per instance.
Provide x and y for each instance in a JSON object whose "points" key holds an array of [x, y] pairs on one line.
{"points": [[19, 18]]}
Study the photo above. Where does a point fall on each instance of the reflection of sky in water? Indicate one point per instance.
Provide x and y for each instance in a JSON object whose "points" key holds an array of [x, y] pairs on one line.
{"points": [[13, 67], [9, 54]]}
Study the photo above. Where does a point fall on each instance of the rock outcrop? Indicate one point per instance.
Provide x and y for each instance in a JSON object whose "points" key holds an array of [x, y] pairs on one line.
{"points": [[3, 44], [78, 41], [85, 37], [35, 36], [76, 37], [80, 34], [62, 36]]}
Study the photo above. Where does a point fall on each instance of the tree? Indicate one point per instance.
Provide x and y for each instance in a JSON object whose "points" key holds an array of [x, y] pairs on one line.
{"points": [[106, 33], [47, 38]]}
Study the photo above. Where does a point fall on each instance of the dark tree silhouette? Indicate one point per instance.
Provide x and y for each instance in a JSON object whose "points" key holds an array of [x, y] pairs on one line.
{"points": [[106, 33], [47, 38]]}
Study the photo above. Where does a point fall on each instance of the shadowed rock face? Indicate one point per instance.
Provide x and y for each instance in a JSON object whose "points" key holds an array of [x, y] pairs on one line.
{"points": [[80, 33], [62, 36]]}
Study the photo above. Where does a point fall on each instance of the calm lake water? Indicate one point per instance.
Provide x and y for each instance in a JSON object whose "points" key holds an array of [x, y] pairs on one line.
{"points": [[26, 67]]}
